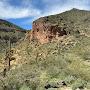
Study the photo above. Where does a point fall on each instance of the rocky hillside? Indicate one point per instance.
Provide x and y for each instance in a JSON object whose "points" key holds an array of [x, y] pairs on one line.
{"points": [[55, 55], [10, 35], [73, 22], [5, 24], [9, 32]]}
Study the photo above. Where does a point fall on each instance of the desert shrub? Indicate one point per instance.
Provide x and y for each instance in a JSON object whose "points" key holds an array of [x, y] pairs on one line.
{"points": [[79, 70], [79, 84], [6, 37], [24, 87], [14, 39], [69, 79], [54, 65], [86, 55], [88, 85]]}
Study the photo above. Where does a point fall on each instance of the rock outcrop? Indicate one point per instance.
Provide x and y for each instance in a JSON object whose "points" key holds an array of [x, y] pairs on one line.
{"points": [[73, 22], [45, 31]]}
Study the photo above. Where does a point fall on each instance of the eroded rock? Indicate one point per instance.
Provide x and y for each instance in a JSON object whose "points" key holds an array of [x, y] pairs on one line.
{"points": [[46, 32]]}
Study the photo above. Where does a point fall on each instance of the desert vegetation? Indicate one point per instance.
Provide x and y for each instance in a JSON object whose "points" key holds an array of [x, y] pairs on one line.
{"points": [[62, 64]]}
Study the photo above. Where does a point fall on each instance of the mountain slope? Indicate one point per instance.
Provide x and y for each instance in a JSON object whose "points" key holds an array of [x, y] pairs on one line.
{"points": [[9, 31], [6, 24], [10, 35], [73, 22], [57, 64]]}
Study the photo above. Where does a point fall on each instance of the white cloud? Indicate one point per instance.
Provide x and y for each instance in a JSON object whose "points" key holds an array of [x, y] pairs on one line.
{"points": [[50, 7], [8, 11], [58, 6]]}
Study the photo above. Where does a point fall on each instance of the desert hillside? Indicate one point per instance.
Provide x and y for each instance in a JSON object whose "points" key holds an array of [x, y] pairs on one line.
{"points": [[74, 22], [10, 35], [9, 32], [54, 55]]}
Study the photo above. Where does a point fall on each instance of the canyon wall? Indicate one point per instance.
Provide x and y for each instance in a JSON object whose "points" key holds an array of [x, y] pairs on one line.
{"points": [[45, 32]]}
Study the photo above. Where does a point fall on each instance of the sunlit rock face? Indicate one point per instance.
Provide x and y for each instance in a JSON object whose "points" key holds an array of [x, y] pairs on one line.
{"points": [[46, 32]]}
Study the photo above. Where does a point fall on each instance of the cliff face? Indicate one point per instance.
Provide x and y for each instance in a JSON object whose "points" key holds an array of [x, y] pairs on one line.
{"points": [[74, 22], [45, 32]]}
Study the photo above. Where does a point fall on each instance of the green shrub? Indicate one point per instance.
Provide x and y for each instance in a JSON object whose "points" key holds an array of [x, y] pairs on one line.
{"points": [[79, 84], [24, 87], [69, 79]]}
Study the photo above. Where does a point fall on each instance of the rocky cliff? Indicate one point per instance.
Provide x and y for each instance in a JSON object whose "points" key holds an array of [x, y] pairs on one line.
{"points": [[45, 32], [49, 28]]}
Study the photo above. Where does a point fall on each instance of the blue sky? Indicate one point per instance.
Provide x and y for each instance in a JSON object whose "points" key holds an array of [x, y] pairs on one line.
{"points": [[24, 12]]}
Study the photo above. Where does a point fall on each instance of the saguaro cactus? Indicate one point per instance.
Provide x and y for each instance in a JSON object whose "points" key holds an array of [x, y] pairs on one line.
{"points": [[8, 57]]}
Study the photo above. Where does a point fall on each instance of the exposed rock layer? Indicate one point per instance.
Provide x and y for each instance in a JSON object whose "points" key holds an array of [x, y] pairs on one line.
{"points": [[45, 32], [74, 22]]}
